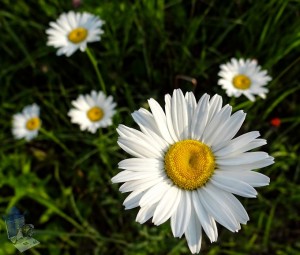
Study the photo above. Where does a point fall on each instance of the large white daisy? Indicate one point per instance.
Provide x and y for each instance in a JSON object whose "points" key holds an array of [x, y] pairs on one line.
{"points": [[243, 77], [72, 31], [92, 111], [27, 123], [186, 166]]}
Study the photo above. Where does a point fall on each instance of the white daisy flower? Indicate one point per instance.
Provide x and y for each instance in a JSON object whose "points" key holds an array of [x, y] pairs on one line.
{"points": [[92, 111], [186, 166], [72, 31], [243, 77], [27, 123]]}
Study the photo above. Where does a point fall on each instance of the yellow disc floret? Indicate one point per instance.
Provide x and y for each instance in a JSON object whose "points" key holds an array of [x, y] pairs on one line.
{"points": [[33, 123], [78, 35], [95, 114], [241, 81], [189, 164]]}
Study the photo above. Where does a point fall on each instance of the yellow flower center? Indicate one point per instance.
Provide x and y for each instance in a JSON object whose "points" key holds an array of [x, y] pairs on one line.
{"points": [[78, 35], [33, 123], [241, 81], [95, 114], [189, 164]]}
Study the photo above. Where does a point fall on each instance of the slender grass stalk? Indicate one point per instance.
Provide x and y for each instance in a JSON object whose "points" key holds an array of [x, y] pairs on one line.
{"points": [[51, 205], [89, 229], [95, 65], [57, 141]]}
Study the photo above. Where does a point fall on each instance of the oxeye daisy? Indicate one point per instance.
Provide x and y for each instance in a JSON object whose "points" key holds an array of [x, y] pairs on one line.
{"points": [[27, 123], [243, 77], [72, 31], [186, 166], [92, 111]]}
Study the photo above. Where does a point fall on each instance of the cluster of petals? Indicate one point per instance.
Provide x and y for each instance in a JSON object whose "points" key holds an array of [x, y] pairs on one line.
{"points": [[27, 123], [84, 103], [190, 211], [20, 121], [59, 31], [249, 67]]}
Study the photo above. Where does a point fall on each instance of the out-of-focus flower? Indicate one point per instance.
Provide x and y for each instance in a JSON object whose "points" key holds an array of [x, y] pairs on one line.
{"points": [[243, 77], [186, 166], [27, 123], [92, 111], [72, 31], [276, 122]]}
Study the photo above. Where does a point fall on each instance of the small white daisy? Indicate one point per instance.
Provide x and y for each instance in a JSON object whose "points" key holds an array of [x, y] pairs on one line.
{"points": [[73, 31], [186, 166], [27, 123], [243, 77], [92, 111]]}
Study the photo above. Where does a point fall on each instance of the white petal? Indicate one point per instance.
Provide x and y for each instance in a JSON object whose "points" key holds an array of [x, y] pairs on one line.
{"points": [[193, 234], [148, 127], [181, 217], [145, 213], [216, 207], [243, 158], [154, 194], [141, 164], [133, 151], [167, 205], [125, 176], [207, 222], [252, 178], [233, 185], [236, 207], [160, 119], [133, 199], [140, 147], [143, 184], [168, 110], [231, 127], [254, 165], [200, 117], [235, 144], [214, 128], [145, 120], [131, 133], [252, 145], [215, 105], [191, 106], [179, 115]]}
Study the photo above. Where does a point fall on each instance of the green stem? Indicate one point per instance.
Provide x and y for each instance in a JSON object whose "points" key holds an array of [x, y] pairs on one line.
{"points": [[85, 223], [52, 206], [57, 141], [95, 65]]}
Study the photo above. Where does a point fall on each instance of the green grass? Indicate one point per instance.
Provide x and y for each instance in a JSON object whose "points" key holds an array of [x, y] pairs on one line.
{"points": [[62, 178]]}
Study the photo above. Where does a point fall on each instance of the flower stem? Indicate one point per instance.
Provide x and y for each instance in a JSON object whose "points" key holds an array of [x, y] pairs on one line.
{"points": [[95, 65], [57, 141]]}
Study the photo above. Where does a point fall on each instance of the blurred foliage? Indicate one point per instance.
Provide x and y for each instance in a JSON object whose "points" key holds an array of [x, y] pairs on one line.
{"points": [[62, 178]]}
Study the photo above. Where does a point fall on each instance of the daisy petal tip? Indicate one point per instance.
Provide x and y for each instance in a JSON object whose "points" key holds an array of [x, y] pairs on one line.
{"points": [[113, 180]]}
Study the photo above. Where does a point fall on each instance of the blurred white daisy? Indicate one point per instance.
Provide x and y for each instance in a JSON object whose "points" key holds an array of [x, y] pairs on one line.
{"points": [[27, 123], [73, 31], [186, 166], [243, 77], [92, 111]]}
